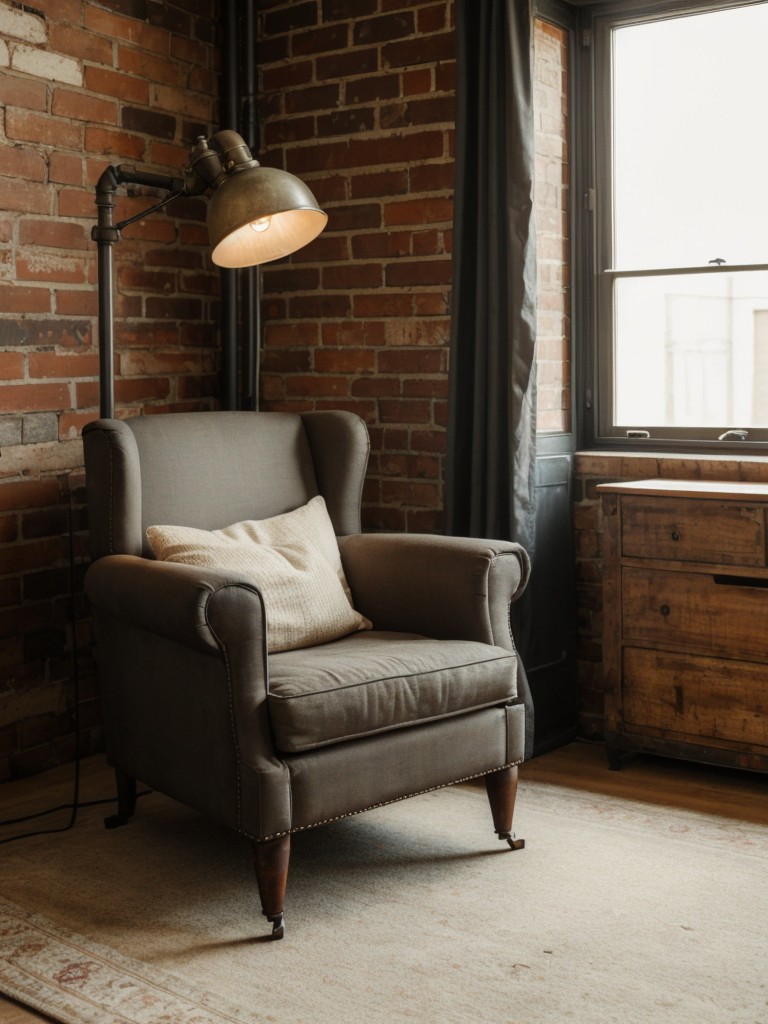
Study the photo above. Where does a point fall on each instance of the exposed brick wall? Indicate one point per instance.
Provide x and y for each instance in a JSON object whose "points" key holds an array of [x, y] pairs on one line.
{"points": [[551, 210], [82, 85], [359, 101]]}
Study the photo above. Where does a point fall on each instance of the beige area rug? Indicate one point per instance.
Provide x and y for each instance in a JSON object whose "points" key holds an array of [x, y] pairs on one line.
{"points": [[616, 911]]}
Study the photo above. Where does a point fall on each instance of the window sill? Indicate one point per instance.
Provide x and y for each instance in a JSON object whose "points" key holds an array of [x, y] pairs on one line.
{"points": [[670, 466]]}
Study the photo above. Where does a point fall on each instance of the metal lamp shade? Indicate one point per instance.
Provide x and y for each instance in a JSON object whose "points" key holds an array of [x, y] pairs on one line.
{"points": [[261, 214]]}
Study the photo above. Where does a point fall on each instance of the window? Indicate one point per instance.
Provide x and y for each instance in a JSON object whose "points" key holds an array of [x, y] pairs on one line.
{"points": [[678, 212]]}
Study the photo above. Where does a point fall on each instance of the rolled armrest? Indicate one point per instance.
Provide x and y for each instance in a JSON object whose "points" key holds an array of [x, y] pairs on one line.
{"points": [[204, 609], [444, 587]]}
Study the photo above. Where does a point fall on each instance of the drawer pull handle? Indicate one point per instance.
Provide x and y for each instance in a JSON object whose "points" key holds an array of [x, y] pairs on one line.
{"points": [[664, 610], [741, 581]]}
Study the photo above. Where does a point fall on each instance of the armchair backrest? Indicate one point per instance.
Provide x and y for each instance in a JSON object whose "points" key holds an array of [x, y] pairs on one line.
{"points": [[212, 469]]}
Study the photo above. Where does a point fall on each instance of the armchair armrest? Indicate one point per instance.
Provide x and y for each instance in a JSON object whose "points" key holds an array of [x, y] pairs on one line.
{"points": [[201, 608], [176, 630], [444, 587]]}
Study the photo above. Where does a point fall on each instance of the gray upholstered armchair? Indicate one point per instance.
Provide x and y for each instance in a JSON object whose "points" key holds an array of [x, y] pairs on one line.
{"points": [[210, 698]]}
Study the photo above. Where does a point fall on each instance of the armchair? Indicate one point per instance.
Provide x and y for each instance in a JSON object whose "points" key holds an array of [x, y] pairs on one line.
{"points": [[199, 704]]}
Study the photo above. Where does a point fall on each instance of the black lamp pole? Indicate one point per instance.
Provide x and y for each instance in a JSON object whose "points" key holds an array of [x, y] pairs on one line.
{"points": [[106, 233]]}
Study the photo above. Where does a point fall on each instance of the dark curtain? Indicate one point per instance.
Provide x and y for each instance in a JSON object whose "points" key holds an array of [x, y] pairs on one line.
{"points": [[491, 464], [491, 418]]}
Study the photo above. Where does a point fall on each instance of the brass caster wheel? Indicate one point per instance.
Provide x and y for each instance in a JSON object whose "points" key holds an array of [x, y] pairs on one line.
{"points": [[514, 844]]}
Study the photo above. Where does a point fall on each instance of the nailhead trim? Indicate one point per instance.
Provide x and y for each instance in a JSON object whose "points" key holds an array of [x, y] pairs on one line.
{"points": [[382, 803]]}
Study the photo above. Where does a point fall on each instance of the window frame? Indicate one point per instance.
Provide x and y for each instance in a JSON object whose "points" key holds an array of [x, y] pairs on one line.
{"points": [[593, 274]]}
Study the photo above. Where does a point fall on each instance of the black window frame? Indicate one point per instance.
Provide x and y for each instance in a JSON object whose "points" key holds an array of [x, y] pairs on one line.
{"points": [[592, 337]]}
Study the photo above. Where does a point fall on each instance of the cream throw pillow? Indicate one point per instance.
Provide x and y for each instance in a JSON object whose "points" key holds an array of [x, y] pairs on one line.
{"points": [[293, 559]]}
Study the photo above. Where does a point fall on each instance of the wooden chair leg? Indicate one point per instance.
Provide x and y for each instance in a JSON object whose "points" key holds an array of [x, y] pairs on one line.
{"points": [[271, 859], [126, 800], [502, 790]]}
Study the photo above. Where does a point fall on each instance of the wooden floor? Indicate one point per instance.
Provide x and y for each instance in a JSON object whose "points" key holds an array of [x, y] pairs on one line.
{"points": [[739, 795]]}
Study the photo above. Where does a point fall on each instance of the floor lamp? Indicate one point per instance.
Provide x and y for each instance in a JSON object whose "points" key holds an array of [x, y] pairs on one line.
{"points": [[255, 214]]}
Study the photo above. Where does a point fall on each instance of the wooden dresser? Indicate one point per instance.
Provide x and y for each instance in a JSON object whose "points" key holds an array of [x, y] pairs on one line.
{"points": [[685, 640]]}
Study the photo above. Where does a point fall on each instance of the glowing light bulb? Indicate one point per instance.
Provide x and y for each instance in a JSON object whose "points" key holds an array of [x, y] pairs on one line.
{"points": [[261, 224]]}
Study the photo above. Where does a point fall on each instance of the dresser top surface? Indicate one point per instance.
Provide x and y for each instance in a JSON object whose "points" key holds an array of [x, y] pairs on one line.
{"points": [[724, 490]]}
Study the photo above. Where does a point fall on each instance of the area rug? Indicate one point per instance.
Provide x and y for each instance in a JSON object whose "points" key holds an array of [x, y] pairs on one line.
{"points": [[616, 911]]}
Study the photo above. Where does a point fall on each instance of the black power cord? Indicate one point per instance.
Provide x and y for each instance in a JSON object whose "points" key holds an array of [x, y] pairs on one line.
{"points": [[75, 804]]}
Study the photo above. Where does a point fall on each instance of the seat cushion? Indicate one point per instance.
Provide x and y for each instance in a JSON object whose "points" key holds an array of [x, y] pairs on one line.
{"points": [[368, 683]]}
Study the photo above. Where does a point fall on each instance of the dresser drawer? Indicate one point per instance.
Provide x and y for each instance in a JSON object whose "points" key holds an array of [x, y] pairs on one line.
{"points": [[695, 698], [709, 614], [693, 531]]}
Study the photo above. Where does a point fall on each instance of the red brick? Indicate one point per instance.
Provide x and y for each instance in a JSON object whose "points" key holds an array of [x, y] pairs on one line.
{"points": [[427, 387], [355, 61], [286, 361], [345, 360], [60, 10], [51, 365], [408, 360], [133, 30], [432, 177], [192, 51], [381, 183], [127, 88], [26, 126], [413, 273], [54, 234], [410, 493], [376, 87], [35, 397], [320, 40], [429, 441], [419, 211], [286, 76], [28, 494], [23, 92], [77, 203], [428, 243], [422, 50], [78, 303], [377, 152], [151, 363], [11, 366], [141, 389], [115, 143], [431, 304], [385, 28], [319, 306], [24, 557], [16, 299], [376, 387], [434, 18], [65, 169], [405, 411], [383, 304], [68, 39], [22, 163], [68, 103], [45, 267], [353, 332], [327, 387], [24, 197], [382, 243], [356, 275]]}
